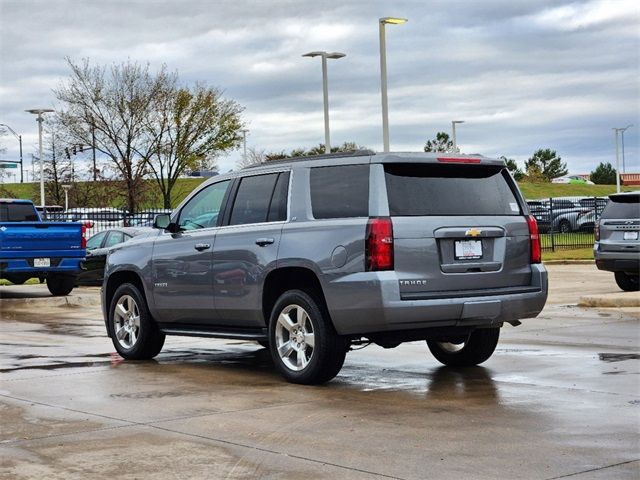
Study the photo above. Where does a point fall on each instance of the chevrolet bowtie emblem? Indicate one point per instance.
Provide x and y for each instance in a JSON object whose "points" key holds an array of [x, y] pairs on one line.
{"points": [[473, 232]]}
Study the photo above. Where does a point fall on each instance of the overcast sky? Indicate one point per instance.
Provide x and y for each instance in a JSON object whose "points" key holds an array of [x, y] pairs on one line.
{"points": [[521, 74]]}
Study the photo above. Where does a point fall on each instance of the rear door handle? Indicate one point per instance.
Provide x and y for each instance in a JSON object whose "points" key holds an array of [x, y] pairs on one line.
{"points": [[263, 242], [202, 246]]}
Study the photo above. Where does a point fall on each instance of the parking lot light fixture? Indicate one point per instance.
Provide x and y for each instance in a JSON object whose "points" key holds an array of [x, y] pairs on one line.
{"points": [[39, 112], [325, 90], [383, 76]]}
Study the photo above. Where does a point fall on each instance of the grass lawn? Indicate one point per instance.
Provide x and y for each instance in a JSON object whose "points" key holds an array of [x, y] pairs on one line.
{"points": [[532, 191], [575, 254]]}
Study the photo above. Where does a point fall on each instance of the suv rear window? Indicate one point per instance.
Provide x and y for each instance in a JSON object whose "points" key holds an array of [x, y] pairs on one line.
{"points": [[623, 207], [340, 192], [261, 198], [432, 189]]}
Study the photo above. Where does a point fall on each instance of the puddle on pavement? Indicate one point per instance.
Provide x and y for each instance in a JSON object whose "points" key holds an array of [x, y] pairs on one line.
{"points": [[618, 357]]}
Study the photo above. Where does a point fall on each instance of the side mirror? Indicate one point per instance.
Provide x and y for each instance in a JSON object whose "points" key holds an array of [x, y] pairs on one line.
{"points": [[163, 222]]}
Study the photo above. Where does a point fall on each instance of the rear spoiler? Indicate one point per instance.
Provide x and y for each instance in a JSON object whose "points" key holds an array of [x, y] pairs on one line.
{"points": [[428, 157]]}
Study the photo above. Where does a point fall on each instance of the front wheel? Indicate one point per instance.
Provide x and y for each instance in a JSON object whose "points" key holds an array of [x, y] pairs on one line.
{"points": [[133, 332], [60, 285], [466, 352], [628, 283], [564, 227], [303, 343]]}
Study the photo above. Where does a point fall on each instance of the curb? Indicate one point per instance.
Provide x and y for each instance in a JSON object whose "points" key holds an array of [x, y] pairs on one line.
{"points": [[569, 262], [70, 301], [618, 300]]}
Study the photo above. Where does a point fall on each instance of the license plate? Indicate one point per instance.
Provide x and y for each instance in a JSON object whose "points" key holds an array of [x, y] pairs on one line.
{"points": [[41, 262], [630, 235], [468, 249]]}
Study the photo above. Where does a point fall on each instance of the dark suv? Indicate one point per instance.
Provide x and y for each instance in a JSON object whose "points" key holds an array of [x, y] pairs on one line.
{"points": [[312, 255], [617, 245]]}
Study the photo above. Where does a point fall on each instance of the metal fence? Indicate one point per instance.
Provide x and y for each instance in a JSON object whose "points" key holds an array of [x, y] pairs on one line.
{"points": [[101, 219], [564, 223], [567, 223]]}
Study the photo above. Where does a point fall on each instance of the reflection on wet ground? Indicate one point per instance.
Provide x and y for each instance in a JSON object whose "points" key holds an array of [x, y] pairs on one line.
{"points": [[558, 389]]}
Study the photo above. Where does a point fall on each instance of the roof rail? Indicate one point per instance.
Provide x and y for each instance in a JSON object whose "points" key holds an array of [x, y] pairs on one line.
{"points": [[350, 153]]}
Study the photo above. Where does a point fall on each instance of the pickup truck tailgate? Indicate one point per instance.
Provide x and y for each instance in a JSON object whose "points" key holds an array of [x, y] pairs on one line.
{"points": [[31, 239]]}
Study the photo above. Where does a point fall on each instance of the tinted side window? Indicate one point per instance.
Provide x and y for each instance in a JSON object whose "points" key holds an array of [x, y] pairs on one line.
{"points": [[340, 192], [203, 208], [253, 199], [114, 238], [278, 208], [95, 241]]}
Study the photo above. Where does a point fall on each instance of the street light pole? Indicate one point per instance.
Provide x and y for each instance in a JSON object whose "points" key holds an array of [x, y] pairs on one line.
{"points": [[39, 112], [19, 137], [616, 130], [453, 132], [244, 145], [325, 91], [383, 76], [622, 130]]}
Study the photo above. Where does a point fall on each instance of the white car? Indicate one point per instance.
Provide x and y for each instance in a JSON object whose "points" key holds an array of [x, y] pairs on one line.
{"points": [[572, 179]]}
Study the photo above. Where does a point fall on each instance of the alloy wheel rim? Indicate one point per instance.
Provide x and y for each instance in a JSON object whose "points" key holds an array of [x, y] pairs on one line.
{"points": [[126, 320], [295, 337]]}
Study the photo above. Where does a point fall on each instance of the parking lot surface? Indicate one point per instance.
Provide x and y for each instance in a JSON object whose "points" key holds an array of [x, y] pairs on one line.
{"points": [[559, 398]]}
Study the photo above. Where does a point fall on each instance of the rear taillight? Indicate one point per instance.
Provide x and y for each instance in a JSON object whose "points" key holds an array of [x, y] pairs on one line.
{"points": [[379, 244], [459, 160], [596, 230], [536, 251], [85, 226]]}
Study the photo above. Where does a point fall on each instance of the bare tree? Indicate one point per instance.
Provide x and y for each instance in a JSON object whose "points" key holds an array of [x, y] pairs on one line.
{"points": [[116, 102], [188, 127], [254, 157]]}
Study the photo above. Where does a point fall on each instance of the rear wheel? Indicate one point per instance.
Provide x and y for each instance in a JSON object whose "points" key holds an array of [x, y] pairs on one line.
{"points": [[304, 346], [467, 351], [60, 285], [628, 283], [564, 227], [134, 333]]}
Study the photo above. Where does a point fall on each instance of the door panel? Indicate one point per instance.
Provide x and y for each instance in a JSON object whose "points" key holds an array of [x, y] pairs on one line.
{"points": [[182, 289]]}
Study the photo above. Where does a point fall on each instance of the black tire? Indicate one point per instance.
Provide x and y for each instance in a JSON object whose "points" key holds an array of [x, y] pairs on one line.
{"points": [[17, 279], [148, 340], [564, 227], [628, 283], [60, 285], [476, 348], [328, 352]]}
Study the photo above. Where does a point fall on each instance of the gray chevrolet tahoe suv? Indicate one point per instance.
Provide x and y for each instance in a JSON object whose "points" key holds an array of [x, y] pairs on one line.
{"points": [[310, 256], [617, 246]]}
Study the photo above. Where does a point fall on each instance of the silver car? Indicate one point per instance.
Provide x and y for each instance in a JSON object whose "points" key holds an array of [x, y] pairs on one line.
{"points": [[617, 242], [313, 255]]}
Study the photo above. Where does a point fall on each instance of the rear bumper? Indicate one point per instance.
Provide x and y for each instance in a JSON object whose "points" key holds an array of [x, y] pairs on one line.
{"points": [[22, 267], [370, 302], [628, 262]]}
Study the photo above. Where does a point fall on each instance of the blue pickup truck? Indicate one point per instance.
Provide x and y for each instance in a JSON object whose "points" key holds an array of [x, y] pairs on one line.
{"points": [[31, 248]]}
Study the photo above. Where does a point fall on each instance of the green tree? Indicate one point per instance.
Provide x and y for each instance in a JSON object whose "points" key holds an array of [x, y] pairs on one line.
{"points": [[604, 174], [440, 144], [187, 126], [548, 162], [513, 167]]}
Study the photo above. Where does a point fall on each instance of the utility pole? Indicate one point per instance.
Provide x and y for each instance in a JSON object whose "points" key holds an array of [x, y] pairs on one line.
{"points": [[39, 112]]}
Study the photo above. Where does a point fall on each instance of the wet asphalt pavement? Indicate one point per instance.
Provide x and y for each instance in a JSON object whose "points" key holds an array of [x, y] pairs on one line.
{"points": [[559, 398]]}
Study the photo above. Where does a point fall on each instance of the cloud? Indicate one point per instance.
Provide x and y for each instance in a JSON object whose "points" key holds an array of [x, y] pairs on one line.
{"points": [[523, 75]]}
